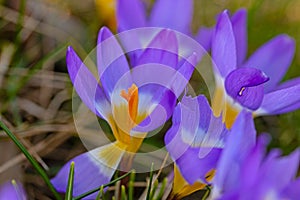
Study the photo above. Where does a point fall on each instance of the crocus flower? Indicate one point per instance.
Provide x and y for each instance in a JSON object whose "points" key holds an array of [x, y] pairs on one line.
{"points": [[195, 142], [252, 84], [173, 14], [133, 101], [12, 191], [252, 175]]}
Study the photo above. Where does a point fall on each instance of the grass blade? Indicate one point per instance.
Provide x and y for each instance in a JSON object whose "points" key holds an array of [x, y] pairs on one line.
{"points": [[150, 183], [69, 193], [101, 194], [131, 185], [123, 193], [30, 158]]}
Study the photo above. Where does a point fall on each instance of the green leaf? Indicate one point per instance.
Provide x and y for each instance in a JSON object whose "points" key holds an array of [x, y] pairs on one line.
{"points": [[69, 193], [31, 159]]}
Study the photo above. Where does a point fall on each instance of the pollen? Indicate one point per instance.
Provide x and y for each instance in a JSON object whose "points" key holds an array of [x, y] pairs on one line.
{"points": [[132, 97]]}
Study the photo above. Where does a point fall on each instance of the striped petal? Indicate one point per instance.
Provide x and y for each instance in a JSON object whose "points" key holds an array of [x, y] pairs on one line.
{"points": [[173, 14], [244, 85], [273, 58], [92, 169], [112, 65], [126, 18], [224, 46], [87, 86]]}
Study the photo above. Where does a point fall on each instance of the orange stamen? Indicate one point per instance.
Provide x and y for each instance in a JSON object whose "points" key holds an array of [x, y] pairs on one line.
{"points": [[132, 97]]}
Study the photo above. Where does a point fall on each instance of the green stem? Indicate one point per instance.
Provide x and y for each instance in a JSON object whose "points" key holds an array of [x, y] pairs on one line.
{"points": [[98, 188], [30, 158]]}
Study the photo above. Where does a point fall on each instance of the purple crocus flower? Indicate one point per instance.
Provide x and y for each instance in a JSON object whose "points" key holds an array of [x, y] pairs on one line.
{"points": [[195, 142], [12, 191], [133, 100], [173, 14], [252, 84], [252, 175]]}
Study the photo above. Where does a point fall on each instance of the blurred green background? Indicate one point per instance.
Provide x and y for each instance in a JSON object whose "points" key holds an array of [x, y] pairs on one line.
{"points": [[35, 91]]}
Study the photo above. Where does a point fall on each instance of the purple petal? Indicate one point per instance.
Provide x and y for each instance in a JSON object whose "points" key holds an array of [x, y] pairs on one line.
{"points": [[86, 85], [289, 83], [113, 67], [193, 167], [173, 140], [9, 191], [204, 37], [292, 190], [90, 170], [130, 14], [223, 45], [239, 141], [161, 111], [196, 116], [163, 49], [273, 58], [173, 14], [272, 168], [239, 25], [281, 101], [187, 140], [244, 85], [251, 166], [183, 75]]}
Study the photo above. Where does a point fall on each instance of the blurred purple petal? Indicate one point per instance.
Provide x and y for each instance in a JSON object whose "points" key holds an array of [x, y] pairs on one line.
{"points": [[223, 45], [112, 63], [273, 58], [86, 85], [173, 14], [251, 166], [204, 37], [271, 170], [239, 25], [292, 191], [244, 85], [90, 170], [238, 143], [281, 101], [130, 14], [9, 191]]}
